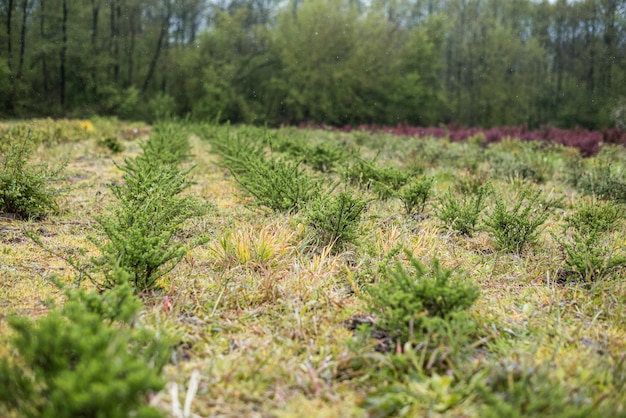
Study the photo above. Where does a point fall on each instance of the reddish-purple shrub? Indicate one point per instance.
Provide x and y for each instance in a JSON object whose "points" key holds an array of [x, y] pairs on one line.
{"points": [[588, 142]]}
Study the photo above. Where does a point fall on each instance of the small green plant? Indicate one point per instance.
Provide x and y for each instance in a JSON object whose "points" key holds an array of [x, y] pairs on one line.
{"points": [[141, 230], [324, 157], [336, 218], [415, 195], [597, 176], [462, 214], [518, 390], [280, 185], [409, 303], [85, 359], [385, 181], [516, 228], [111, 143], [168, 144], [590, 242], [25, 188]]}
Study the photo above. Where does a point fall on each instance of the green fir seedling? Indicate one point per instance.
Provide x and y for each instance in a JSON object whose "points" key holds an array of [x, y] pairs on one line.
{"points": [[415, 195], [591, 240], [86, 359], [280, 185], [336, 218], [407, 301], [141, 230], [168, 144], [517, 228], [462, 214], [26, 189]]}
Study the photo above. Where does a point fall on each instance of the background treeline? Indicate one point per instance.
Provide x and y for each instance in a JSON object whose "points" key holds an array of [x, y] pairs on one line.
{"points": [[421, 62]]}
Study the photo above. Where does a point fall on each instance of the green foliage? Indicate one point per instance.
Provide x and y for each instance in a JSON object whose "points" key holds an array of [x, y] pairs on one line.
{"points": [[599, 177], [168, 144], [409, 303], [415, 195], [150, 211], [385, 181], [84, 359], [516, 390], [111, 143], [516, 228], [592, 245], [336, 218], [25, 188], [521, 160], [462, 214], [278, 184]]}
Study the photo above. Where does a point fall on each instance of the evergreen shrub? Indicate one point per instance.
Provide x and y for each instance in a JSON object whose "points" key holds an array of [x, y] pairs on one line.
{"points": [[86, 359], [517, 228], [336, 218], [26, 189], [462, 214]]}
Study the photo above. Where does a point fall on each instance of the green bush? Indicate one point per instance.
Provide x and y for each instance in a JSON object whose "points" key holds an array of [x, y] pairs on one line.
{"points": [[415, 195], [515, 390], [384, 181], [462, 214], [168, 144], [516, 228], [590, 241], [86, 359], [410, 303], [336, 218], [141, 230], [26, 189], [597, 176], [111, 143]]}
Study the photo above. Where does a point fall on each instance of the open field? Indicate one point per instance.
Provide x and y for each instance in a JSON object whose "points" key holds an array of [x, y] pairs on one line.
{"points": [[273, 315]]}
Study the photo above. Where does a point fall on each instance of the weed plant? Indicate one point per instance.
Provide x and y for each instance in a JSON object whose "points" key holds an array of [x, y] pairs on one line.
{"points": [[336, 218], [462, 214], [517, 228], [86, 359], [26, 189]]}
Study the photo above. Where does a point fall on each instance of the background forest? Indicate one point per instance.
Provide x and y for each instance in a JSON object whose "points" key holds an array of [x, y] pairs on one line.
{"points": [[420, 62]]}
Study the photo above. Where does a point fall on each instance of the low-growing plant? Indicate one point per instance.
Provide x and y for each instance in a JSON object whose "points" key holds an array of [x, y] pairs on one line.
{"points": [[408, 303], [517, 228], [590, 241], [141, 230], [336, 218], [462, 214], [26, 189], [168, 144], [384, 181], [598, 177], [416, 194], [280, 185], [87, 359], [518, 390], [111, 143]]}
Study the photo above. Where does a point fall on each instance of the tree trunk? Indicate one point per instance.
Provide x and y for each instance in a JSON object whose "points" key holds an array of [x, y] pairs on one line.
{"points": [[155, 58], [22, 38], [42, 32], [63, 55], [9, 42]]}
